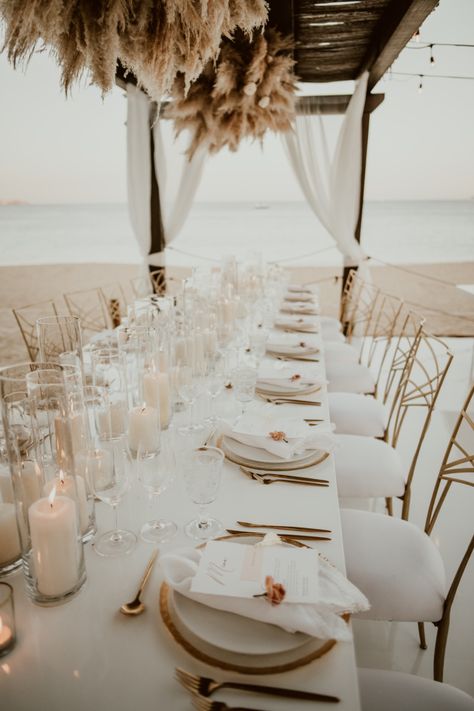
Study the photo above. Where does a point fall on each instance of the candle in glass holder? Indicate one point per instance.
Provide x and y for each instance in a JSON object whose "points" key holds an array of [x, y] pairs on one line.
{"points": [[30, 480], [6, 486], [10, 548], [144, 429], [156, 393], [113, 420], [74, 488], [54, 542]]}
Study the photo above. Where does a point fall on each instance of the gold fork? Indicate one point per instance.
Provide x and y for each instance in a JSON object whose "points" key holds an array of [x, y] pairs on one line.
{"points": [[205, 687]]}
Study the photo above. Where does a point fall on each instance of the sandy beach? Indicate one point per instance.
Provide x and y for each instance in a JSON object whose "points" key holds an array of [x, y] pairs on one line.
{"points": [[21, 286]]}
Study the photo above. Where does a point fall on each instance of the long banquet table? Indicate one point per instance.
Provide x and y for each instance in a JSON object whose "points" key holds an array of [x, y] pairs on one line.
{"points": [[86, 655]]}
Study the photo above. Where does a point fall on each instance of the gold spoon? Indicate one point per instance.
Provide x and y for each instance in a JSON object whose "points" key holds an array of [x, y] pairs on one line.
{"points": [[136, 606]]}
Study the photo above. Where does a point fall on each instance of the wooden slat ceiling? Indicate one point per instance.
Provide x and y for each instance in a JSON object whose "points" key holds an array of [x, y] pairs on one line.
{"points": [[336, 39]]}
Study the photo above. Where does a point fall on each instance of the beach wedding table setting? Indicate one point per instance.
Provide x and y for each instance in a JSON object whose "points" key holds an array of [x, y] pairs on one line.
{"points": [[170, 534]]}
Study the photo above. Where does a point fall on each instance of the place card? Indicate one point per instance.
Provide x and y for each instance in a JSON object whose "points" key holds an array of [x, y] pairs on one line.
{"points": [[236, 570]]}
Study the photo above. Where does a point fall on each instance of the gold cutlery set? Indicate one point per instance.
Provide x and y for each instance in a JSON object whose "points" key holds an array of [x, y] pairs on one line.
{"points": [[272, 477], [201, 688], [294, 532]]}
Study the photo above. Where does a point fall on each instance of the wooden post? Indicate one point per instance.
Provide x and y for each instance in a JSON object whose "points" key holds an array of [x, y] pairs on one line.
{"points": [[157, 243], [365, 141]]}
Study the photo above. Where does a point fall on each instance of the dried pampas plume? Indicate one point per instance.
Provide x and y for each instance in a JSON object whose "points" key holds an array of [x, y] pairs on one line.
{"points": [[249, 90], [154, 39]]}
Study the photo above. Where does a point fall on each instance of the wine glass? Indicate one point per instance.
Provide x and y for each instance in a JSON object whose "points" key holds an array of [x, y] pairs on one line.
{"points": [[111, 490], [244, 380], [202, 475], [188, 388], [155, 473]]}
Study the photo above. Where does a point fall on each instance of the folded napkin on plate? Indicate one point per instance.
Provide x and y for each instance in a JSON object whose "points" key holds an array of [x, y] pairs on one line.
{"points": [[288, 377], [268, 431], [291, 340], [301, 324], [321, 620], [299, 288]]}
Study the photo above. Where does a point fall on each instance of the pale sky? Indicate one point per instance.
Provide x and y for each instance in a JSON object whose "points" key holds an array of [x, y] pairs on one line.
{"points": [[421, 146]]}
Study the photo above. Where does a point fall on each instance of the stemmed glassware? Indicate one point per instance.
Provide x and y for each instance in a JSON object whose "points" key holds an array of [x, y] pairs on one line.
{"points": [[60, 340], [244, 380], [155, 473], [215, 378], [202, 476], [111, 489]]}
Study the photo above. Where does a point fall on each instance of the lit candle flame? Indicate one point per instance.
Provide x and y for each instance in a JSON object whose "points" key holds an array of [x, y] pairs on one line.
{"points": [[52, 496]]}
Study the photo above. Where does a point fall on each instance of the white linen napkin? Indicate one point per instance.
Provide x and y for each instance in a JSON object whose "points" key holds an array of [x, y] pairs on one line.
{"points": [[299, 288], [288, 377], [254, 429], [321, 620], [291, 341], [301, 324]]}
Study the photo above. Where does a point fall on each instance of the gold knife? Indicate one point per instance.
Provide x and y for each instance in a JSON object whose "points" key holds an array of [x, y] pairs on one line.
{"points": [[247, 524], [297, 536]]}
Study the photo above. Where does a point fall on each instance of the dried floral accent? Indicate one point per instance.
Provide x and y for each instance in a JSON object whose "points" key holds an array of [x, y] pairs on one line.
{"points": [[248, 350], [295, 377], [228, 386], [154, 39], [274, 592], [302, 344], [249, 89], [301, 320], [278, 436]]}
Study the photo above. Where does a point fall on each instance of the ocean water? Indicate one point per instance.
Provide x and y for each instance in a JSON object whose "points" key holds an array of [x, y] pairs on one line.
{"points": [[395, 232]]}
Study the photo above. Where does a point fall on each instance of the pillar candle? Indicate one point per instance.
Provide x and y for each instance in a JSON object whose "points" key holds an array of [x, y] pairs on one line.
{"points": [[156, 393], [180, 350], [113, 420], [10, 548], [144, 429], [55, 545], [6, 637], [163, 361], [96, 467], [31, 481], [65, 486]]}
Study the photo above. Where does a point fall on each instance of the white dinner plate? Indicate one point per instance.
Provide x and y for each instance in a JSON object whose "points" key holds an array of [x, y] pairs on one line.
{"points": [[232, 632], [255, 454], [274, 389], [289, 350]]}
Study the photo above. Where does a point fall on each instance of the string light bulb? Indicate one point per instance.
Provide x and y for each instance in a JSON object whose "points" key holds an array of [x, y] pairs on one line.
{"points": [[420, 85]]}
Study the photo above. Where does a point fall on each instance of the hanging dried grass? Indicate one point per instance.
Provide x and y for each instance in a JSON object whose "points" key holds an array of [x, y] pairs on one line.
{"points": [[154, 39], [249, 90]]}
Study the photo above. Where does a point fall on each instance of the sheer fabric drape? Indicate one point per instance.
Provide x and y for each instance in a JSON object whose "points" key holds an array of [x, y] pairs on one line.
{"points": [[175, 204], [331, 185]]}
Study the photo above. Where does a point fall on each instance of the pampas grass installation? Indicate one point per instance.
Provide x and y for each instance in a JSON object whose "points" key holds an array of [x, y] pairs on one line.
{"points": [[154, 39], [249, 90]]}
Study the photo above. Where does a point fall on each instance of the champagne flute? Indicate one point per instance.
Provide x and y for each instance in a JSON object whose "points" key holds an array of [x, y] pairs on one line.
{"points": [[111, 490], [155, 473]]}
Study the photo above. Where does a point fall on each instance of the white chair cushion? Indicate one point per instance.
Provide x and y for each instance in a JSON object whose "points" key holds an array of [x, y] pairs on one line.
{"points": [[367, 467], [382, 690], [330, 322], [396, 565], [349, 378], [357, 414], [336, 352]]}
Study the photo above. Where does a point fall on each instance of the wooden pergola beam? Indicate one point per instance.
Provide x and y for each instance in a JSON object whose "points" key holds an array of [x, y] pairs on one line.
{"points": [[396, 27], [334, 104]]}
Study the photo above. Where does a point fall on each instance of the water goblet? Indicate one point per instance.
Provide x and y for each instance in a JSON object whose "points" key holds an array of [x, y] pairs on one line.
{"points": [[202, 475], [155, 474], [111, 490]]}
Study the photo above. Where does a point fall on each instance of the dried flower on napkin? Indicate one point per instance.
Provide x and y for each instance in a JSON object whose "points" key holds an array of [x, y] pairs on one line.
{"points": [[274, 592], [295, 377], [278, 436], [229, 386], [302, 344]]}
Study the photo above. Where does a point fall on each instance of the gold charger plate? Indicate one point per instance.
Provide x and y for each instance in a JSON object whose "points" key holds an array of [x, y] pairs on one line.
{"points": [[319, 457], [231, 661]]}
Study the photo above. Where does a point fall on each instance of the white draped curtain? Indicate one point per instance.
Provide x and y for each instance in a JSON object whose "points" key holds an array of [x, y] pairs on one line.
{"points": [[175, 204], [331, 185]]}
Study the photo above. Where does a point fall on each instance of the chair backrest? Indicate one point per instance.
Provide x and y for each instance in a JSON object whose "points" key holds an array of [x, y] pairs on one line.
{"points": [[115, 303], [158, 280], [382, 328], [26, 317], [421, 382], [349, 298], [89, 306], [409, 326], [457, 469], [364, 303]]}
